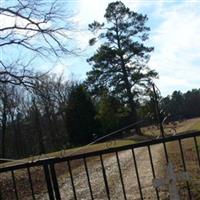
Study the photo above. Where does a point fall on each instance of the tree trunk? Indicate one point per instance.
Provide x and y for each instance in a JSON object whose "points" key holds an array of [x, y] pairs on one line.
{"points": [[39, 131], [51, 128], [19, 135], [134, 117], [63, 115], [4, 122], [55, 130], [16, 139]]}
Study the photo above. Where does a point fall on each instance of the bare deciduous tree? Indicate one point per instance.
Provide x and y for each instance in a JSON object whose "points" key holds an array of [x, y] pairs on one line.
{"points": [[33, 28], [6, 97]]}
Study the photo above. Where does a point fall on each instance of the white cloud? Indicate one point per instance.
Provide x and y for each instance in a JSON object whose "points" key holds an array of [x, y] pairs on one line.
{"points": [[61, 69], [57, 67], [87, 12], [175, 35], [177, 47], [11, 20]]}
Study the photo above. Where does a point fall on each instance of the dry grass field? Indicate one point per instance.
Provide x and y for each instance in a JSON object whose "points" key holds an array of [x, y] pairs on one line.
{"points": [[192, 165]]}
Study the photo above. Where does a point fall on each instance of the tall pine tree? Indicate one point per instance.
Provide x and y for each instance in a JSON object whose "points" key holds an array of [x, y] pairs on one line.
{"points": [[120, 63]]}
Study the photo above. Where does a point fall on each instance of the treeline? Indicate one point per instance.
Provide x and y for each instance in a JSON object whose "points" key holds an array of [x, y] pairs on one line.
{"points": [[182, 105], [177, 106], [54, 114], [45, 113]]}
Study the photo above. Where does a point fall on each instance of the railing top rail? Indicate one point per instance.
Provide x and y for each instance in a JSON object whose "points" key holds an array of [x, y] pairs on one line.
{"points": [[53, 160]]}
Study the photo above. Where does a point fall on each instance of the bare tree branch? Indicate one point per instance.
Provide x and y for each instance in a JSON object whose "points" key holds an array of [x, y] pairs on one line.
{"points": [[34, 26]]}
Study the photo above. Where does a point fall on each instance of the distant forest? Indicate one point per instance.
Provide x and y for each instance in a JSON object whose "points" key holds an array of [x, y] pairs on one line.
{"points": [[43, 112], [57, 114]]}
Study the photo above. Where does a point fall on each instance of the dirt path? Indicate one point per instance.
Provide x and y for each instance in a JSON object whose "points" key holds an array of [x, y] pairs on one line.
{"points": [[128, 172], [112, 173]]}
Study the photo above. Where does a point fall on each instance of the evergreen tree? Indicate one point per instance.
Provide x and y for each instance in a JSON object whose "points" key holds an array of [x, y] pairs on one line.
{"points": [[192, 105], [80, 116], [120, 63], [111, 113]]}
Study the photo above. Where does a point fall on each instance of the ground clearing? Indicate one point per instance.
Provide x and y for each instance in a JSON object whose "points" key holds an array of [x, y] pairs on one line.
{"points": [[112, 173], [173, 128]]}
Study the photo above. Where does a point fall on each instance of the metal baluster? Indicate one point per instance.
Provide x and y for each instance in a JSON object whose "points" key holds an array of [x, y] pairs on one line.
{"points": [[72, 180], [31, 183], [1, 198], [14, 184], [137, 174], [165, 151], [158, 116], [197, 150], [88, 178], [55, 182], [105, 178], [184, 167], [48, 181], [153, 171], [121, 177]]}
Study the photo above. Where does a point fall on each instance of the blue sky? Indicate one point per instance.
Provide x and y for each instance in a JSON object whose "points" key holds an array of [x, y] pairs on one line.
{"points": [[175, 35]]}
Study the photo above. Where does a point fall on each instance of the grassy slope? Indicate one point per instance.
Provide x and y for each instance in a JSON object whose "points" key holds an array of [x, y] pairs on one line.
{"points": [[177, 127], [37, 173], [190, 156], [72, 151], [193, 124]]}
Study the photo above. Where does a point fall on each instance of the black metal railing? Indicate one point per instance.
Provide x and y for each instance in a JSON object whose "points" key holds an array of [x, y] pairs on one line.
{"points": [[54, 190]]}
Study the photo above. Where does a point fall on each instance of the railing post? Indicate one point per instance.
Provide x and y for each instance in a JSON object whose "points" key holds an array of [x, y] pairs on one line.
{"points": [[104, 177], [52, 183], [158, 115], [197, 149], [14, 184], [72, 180], [55, 182], [1, 198], [31, 183], [49, 182]]}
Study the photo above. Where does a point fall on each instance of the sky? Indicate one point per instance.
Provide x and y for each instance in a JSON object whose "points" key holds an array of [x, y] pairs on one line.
{"points": [[175, 36]]}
